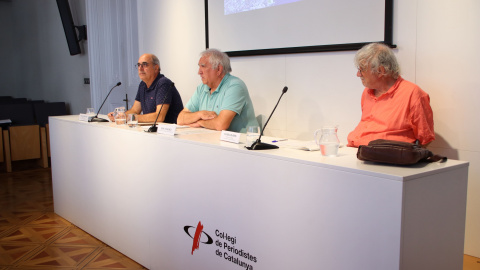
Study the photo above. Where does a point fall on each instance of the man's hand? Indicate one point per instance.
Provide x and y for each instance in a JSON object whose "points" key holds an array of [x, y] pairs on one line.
{"points": [[204, 115], [206, 119], [207, 115], [185, 117], [195, 125], [110, 116]]}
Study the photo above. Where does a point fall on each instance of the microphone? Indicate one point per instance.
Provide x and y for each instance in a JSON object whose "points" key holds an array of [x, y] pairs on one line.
{"points": [[154, 128], [258, 145], [95, 118]]}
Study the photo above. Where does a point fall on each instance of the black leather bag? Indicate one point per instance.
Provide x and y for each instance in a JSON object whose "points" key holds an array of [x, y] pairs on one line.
{"points": [[395, 152]]}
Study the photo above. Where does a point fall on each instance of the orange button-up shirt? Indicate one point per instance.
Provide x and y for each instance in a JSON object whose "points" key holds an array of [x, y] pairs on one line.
{"points": [[403, 113]]}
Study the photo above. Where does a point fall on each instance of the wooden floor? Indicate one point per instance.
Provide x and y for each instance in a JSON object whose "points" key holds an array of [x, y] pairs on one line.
{"points": [[32, 236], [471, 263]]}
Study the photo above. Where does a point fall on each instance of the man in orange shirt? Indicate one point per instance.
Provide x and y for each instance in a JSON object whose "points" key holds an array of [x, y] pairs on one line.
{"points": [[392, 108]]}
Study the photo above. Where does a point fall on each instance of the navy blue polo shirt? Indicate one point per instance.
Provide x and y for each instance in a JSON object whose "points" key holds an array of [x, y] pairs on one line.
{"points": [[150, 97]]}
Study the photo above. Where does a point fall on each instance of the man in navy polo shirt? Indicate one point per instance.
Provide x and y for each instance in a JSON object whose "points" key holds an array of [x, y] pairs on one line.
{"points": [[154, 89]]}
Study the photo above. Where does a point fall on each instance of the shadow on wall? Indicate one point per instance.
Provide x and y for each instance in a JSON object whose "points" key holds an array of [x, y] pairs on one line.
{"points": [[445, 150], [67, 107], [260, 120]]}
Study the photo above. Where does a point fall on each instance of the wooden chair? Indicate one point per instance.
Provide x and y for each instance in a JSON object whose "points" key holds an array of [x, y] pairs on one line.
{"points": [[45, 110], [2, 154], [47, 129], [24, 139]]}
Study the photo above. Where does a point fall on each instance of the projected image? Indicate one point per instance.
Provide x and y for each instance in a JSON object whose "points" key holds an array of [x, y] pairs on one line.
{"points": [[237, 6]]}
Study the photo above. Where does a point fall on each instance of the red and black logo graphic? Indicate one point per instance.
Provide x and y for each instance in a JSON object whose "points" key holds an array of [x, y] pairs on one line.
{"points": [[198, 235]]}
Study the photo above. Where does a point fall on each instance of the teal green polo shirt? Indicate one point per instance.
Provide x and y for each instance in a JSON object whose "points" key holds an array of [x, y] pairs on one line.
{"points": [[231, 94]]}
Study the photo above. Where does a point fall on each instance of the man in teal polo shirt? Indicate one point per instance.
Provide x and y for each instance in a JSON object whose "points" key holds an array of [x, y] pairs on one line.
{"points": [[222, 101]]}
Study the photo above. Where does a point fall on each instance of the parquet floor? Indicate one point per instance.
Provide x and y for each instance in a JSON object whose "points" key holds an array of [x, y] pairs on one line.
{"points": [[32, 236]]}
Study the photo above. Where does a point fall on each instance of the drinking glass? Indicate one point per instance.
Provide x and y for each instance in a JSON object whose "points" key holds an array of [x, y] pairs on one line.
{"points": [[132, 120], [119, 116], [90, 111], [253, 132]]}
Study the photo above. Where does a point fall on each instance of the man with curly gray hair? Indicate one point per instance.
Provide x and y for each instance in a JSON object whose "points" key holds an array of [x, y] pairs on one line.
{"points": [[222, 101], [392, 108]]}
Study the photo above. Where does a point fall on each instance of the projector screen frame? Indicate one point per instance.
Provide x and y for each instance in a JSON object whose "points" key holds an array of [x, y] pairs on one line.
{"points": [[388, 40]]}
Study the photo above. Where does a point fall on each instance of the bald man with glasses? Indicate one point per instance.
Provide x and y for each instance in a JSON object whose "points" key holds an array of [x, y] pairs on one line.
{"points": [[154, 90]]}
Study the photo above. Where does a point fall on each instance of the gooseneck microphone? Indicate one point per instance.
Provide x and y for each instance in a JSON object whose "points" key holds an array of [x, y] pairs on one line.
{"points": [[95, 118], [258, 145], [154, 128]]}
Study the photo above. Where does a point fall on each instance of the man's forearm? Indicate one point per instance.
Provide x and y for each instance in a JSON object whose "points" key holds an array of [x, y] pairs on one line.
{"points": [[149, 117], [221, 122], [215, 124], [186, 118]]}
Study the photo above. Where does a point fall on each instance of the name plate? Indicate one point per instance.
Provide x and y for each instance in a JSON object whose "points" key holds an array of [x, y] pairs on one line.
{"points": [[230, 136], [167, 129], [84, 117]]}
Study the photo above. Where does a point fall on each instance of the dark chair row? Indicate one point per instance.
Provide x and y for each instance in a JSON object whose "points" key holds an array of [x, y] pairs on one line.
{"points": [[10, 100], [31, 113], [27, 135]]}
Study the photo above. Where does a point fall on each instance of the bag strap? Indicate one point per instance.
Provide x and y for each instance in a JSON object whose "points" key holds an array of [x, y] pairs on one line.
{"points": [[436, 158], [432, 157]]}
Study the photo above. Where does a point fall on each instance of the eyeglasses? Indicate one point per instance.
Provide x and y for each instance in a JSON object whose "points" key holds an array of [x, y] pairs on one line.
{"points": [[361, 70], [144, 65]]}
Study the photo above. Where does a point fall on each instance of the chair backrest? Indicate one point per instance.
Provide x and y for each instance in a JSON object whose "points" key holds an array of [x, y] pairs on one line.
{"points": [[20, 113], [36, 101], [13, 100], [2, 159], [18, 100], [5, 100], [44, 110]]}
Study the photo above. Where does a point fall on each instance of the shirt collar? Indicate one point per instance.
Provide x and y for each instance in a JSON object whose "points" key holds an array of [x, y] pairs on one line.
{"points": [[395, 85], [219, 87], [154, 83], [390, 91]]}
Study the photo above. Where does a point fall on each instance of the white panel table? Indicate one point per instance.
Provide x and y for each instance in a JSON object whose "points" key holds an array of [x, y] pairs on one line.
{"points": [[145, 194]]}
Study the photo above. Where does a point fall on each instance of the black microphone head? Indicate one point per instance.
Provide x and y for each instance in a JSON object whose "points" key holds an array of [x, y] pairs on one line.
{"points": [[119, 83], [284, 89]]}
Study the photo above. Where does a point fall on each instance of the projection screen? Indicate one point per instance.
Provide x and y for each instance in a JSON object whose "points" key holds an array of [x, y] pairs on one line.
{"points": [[257, 27]]}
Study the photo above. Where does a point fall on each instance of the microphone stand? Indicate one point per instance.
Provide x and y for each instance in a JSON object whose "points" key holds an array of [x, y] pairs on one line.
{"points": [[154, 128], [96, 118], [258, 145]]}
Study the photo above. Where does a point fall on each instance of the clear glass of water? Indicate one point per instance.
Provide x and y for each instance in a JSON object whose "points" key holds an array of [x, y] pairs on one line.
{"points": [[90, 111], [119, 116], [253, 132], [132, 120]]}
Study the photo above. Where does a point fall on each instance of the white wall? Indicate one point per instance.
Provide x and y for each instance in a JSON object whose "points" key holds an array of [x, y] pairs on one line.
{"points": [[36, 63], [435, 39], [447, 65]]}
